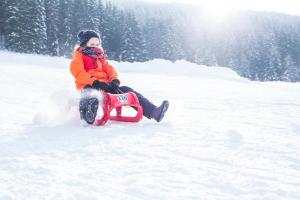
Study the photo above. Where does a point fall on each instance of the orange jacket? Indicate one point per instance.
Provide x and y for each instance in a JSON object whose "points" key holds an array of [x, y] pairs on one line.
{"points": [[85, 70]]}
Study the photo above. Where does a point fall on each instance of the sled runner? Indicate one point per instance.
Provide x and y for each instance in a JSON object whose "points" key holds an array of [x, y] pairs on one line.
{"points": [[116, 102]]}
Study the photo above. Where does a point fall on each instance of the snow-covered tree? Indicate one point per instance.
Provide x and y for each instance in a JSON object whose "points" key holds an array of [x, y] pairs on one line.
{"points": [[13, 29], [3, 6], [152, 35], [65, 23], [52, 22], [113, 26], [292, 72], [171, 48], [133, 41], [100, 16], [34, 31]]}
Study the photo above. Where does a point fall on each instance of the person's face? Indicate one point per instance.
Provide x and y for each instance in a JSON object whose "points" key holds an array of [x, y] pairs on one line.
{"points": [[93, 42]]}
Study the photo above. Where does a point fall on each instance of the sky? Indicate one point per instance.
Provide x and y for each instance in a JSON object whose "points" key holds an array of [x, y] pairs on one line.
{"points": [[222, 7]]}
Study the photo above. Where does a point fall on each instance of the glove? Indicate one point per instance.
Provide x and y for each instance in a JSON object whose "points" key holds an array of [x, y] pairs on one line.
{"points": [[99, 85], [115, 85]]}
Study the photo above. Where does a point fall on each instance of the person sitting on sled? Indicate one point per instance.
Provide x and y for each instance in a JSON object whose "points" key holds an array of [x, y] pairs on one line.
{"points": [[92, 72]]}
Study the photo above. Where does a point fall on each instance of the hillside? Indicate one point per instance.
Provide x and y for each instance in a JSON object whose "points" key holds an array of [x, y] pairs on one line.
{"points": [[224, 137]]}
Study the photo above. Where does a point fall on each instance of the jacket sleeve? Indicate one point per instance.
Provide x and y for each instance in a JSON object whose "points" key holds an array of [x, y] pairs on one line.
{"points": [[110, 71], [78, 71]]}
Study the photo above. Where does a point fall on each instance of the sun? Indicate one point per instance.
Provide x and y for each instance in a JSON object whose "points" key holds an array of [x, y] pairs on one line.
{"points": [[218, 11]]}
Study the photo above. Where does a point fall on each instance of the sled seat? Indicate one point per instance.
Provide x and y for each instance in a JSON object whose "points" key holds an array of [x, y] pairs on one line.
{"points": [[117, 101]]}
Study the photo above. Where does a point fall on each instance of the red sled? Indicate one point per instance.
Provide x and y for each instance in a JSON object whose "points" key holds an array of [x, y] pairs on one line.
{"points": [[117, 101]]}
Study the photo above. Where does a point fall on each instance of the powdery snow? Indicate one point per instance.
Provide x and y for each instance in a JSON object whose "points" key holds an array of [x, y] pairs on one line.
{"points": [[223, 137]]}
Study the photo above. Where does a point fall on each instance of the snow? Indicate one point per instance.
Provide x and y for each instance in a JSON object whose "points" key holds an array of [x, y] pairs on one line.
{"points": [[224, 137]]}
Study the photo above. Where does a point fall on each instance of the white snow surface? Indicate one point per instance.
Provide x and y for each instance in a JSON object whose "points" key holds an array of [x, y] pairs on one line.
{"points": [[224, 137]]}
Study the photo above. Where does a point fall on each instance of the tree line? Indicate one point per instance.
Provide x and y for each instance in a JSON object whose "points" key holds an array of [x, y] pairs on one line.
{"points": [[257, 45]]}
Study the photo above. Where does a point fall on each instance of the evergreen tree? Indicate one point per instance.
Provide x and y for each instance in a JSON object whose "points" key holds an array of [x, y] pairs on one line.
{"points": [[92, 17], [34, 33], [112, 31], [133, 42], [170, 42], [274, 69], [40, 42], [65, 23], [13, 26], [292, 72], [243, 68], [52, 21], [100, 16], [152, 35], [77, 20], [3, 6], [87, 12], [205, 56]]}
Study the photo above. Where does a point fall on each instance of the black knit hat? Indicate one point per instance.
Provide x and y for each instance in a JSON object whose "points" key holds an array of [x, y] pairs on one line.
{"points": [[84, 36]]}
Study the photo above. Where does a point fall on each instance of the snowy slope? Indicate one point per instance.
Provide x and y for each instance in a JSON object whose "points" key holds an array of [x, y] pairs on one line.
{"points": [[223, 137]]}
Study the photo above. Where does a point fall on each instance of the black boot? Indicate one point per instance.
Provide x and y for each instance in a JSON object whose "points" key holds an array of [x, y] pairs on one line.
{"points": [[88, 109], [159, 112]]}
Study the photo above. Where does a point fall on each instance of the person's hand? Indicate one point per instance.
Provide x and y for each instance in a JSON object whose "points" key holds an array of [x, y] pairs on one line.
{"points": [[99, 85], [115, 85]]}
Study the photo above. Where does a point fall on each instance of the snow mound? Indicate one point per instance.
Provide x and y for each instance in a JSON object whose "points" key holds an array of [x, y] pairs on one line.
{"points": [[179, 68]]}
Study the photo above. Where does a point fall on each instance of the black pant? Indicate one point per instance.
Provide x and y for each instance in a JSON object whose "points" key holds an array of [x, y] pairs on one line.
{"points": [[148, 107]]}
